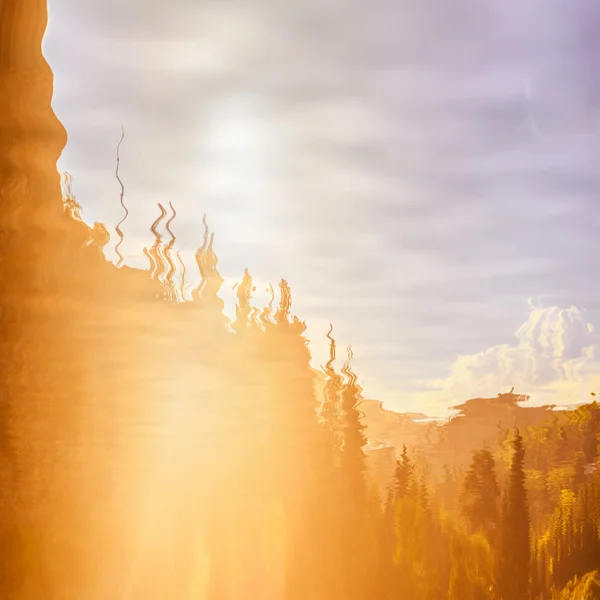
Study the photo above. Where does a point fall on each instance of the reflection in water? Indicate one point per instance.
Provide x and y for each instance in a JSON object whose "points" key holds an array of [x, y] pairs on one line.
{"points": [[150, 448], [121, 197]]}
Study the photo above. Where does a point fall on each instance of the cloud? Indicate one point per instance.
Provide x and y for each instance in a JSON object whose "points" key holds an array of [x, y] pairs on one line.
{"points": [[369, 152], [554, 358]]}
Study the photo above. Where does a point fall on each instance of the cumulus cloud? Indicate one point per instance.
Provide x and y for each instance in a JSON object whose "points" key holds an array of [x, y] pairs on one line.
{"points": [[554, 358]]}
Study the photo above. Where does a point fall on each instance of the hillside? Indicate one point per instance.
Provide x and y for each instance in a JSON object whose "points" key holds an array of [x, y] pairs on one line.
{"points": [[478, 422]]}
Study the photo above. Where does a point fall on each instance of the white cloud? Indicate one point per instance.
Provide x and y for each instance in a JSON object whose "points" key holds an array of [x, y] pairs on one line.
{"points": [[554, 359]]}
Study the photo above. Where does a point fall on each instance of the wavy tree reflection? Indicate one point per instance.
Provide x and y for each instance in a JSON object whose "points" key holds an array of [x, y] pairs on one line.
{"points": [[150, 448]]}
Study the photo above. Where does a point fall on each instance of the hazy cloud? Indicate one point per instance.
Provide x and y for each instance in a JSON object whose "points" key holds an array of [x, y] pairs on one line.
{"points": [[415, 170], [554, 358]]}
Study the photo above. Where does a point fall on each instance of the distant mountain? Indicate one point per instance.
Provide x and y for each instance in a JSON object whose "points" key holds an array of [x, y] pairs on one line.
{"points": [[477, 422]]}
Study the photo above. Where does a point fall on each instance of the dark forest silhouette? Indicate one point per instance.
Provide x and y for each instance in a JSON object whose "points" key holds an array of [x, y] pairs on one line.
{"points": [[151, 449]]}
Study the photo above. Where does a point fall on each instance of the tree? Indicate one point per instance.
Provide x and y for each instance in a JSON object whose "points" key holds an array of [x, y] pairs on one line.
{"points": [[560, 450], [479, 496], [470, 575], [403, 475], [513, 552], [586, 588]]}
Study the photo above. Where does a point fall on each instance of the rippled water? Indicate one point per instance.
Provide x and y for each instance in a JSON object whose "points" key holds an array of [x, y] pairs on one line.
{"points": [[150, 448]]}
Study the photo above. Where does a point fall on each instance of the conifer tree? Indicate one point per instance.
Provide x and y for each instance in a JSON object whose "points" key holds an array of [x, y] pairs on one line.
{"points": [[513, 552], [398, 490], [403, 475], [584, 588], [591, 432], [560, 450], [331, 409], [479, 496], [387, 544], [358, 552], [353, 455], [588, 542]]}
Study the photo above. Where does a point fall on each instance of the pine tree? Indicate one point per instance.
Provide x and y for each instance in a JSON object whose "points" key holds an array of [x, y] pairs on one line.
{"points": [[398, 490], [513, 552], [560, 451], [357, 550], [403, 475], [588, 543], [479, 496], [387, 545], [586, 588], [590, 425]]}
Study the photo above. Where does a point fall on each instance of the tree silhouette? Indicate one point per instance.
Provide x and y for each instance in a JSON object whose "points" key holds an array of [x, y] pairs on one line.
{"points": [[480, 493], [513, 552]]}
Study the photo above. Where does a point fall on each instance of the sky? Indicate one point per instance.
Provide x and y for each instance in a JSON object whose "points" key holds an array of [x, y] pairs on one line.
{"points": [[424, 174]]}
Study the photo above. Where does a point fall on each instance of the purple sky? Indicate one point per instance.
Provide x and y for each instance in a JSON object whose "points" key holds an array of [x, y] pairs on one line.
{"points": [[425, 174]]}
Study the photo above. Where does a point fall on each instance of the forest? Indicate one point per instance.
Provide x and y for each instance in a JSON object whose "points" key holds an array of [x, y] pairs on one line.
{"points": [[260, 476]]}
